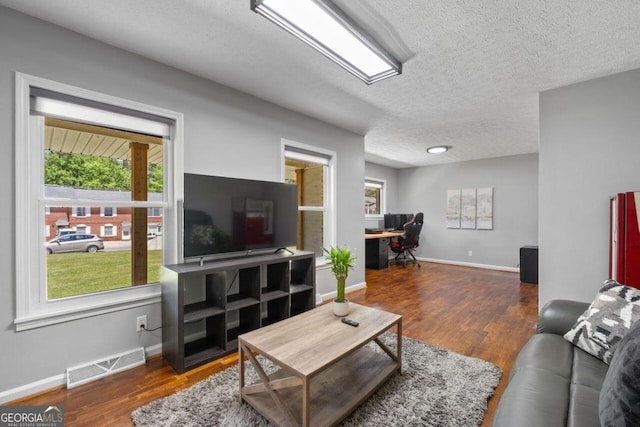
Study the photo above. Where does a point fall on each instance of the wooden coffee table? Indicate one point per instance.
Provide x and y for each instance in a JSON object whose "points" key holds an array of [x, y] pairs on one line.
{"points": [[325, 370]]}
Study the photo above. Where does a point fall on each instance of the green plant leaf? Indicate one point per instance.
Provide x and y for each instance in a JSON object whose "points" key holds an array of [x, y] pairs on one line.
{"points": [[341, 261]]}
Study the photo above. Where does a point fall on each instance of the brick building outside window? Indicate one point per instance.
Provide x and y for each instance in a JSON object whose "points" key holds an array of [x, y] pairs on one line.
{"points": [[108, 222]]}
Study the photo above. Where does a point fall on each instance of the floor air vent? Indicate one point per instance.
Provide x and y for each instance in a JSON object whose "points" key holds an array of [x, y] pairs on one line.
{"points": [[92, 371]]}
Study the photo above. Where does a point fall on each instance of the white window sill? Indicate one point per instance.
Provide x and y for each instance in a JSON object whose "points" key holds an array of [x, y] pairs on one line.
{"points": [[84, 306]]}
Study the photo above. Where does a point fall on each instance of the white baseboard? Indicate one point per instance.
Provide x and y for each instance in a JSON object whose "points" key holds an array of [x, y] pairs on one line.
{"points": [[153, 350], [471, 264], [332, 295], [54, 381], [33, 388]]}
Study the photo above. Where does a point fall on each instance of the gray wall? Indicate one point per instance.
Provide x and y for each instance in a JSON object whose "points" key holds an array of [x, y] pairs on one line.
{"points": [[589, 151], [226, 133], [515, 208], [390, 175]]}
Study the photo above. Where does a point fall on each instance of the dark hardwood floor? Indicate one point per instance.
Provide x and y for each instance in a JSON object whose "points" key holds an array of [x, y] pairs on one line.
{"points": [[481, 313]]}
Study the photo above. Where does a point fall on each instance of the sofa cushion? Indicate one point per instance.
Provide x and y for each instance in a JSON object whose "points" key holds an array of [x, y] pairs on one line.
{"points": [[583, 406], [552, 383], [614, 310], [587, 375], [534, 398], [546, 351], [588, 370], [620, 391]]}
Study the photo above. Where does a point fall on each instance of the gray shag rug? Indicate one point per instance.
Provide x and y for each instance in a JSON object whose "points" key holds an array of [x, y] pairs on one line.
{"points": [[436, 388]]}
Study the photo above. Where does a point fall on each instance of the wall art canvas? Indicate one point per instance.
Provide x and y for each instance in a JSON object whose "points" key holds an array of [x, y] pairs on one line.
{"points": [[485, 208], [453, 208], [468, 208]]}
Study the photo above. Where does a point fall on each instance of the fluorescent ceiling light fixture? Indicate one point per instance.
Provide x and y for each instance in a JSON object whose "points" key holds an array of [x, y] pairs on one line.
{"points": [[326, 28], [438, 149]]}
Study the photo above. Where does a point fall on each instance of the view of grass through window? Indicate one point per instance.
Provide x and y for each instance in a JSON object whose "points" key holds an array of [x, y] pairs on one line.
{"points": [[82, 273]]}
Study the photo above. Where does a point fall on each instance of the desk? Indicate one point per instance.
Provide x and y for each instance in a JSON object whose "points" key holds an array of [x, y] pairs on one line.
{"points": [[377, 249]]}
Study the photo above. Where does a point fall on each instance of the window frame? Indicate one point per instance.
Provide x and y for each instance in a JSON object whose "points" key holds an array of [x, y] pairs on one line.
{"points": [[33, 310], [85, 209], [329, 187], [374, 183], [151, 212], [112, 227], [103, 211], [83, 229]]}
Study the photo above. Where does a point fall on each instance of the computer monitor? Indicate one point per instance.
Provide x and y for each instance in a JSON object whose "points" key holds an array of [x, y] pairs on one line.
{"points": [[390, 222], [395, 221]]}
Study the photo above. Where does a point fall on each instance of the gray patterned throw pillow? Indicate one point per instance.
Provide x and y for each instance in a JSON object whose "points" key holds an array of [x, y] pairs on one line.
{"points": [[611, 314]]}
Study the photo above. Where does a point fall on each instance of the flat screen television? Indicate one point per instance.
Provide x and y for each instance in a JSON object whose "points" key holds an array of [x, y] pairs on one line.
{"points": [[230, 216]]}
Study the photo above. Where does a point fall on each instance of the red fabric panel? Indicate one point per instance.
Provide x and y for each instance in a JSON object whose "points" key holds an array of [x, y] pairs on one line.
{"points": [[632, 243]]}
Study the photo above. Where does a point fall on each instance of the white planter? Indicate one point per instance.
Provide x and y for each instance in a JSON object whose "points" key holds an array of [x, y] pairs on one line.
{"points": [[341, 308]]}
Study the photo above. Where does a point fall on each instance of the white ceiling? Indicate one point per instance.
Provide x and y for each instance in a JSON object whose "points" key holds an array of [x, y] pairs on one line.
{"points": [[471, 75]]}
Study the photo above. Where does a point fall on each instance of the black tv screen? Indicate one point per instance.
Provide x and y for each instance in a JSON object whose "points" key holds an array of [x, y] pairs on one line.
{"points": [[227, 215]]}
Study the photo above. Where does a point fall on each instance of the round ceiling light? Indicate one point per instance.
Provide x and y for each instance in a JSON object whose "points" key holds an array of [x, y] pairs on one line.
{"points": [[438, 149]]}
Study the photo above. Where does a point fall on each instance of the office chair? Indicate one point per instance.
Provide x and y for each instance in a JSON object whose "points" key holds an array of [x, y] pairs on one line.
{"points": [[408, 243]]}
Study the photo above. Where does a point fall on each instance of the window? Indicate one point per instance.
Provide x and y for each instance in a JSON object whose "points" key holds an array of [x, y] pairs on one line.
{"points": [[312, 170], [155, 228], [154, 212], [82, 229], [70, 186], [108, 230], [126, 230], [374, 197], [108, 211], [81, 211]]}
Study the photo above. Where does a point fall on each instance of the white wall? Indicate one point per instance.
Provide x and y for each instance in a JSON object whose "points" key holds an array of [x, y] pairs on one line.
{"points": [[226, 133], [390, 175], [515, 209], [589, 151]]}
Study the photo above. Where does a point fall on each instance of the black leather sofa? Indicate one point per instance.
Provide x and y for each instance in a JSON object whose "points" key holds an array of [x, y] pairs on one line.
{"points": [[553, 383]]}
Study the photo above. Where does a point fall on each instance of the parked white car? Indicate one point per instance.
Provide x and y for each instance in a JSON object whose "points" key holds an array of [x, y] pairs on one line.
{"points": [[75, 243]]}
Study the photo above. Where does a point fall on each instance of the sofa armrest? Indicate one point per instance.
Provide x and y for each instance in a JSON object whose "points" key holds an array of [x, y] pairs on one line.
{"points": [[558, 316]]}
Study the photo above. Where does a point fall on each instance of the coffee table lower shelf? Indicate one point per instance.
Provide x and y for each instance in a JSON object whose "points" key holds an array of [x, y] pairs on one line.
{"points": [[335, 392]]}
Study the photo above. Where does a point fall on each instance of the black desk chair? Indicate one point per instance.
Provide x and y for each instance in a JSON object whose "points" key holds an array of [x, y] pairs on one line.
{"points": [[408, 243]]}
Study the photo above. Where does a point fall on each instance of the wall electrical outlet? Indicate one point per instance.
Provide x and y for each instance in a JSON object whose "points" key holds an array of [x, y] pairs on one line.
{"points": [[470, 252], [141, 323]]}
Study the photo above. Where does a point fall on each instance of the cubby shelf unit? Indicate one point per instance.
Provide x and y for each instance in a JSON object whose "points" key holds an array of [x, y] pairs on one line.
{"points": [[206, 307]]}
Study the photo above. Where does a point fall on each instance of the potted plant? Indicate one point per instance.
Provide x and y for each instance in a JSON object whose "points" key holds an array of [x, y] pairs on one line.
{"points": [[341, 261]]}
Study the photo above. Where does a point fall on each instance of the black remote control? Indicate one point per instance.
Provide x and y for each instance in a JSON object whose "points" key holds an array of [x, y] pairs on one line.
{"points": [[349, 322]]}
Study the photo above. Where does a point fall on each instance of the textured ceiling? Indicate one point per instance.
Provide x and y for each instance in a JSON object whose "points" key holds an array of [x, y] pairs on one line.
{"points": [[471, 75]]}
